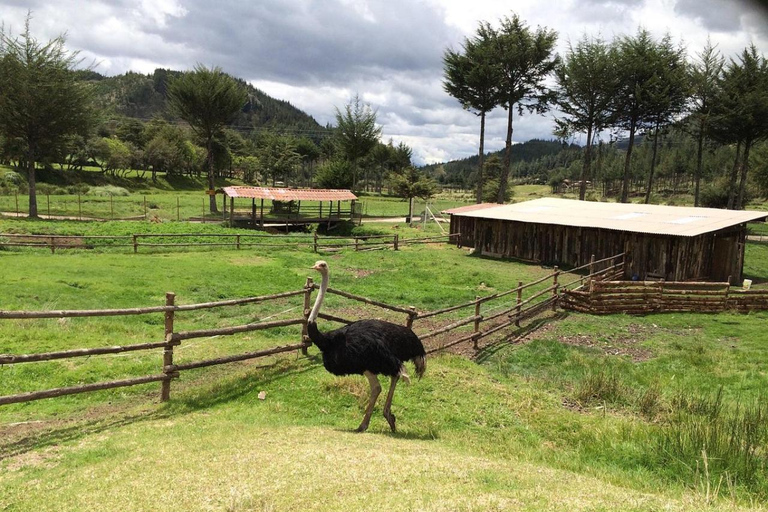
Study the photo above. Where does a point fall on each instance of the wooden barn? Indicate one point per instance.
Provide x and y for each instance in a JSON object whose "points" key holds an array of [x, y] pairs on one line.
{"points": [[662, 242]]}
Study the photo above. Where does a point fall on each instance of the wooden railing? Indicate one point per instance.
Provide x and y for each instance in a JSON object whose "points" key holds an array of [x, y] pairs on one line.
{"points": [[515, 307], [237, 241]]}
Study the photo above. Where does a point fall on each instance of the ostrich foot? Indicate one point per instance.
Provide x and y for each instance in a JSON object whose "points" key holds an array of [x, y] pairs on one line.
{"points": [[391, 420], [362, 428]]}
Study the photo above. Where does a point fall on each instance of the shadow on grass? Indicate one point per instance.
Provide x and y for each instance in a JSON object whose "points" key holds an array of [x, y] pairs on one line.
{"points": [[514, 338]]}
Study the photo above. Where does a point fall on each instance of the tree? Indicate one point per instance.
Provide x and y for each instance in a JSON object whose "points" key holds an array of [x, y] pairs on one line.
{"points": [[42, 103], [525, 59], [356, 132], [636, 59], [472, 77], [410, 183], [740, 114], [668, 94], [586, 85], [704, 74], [207, 99]]}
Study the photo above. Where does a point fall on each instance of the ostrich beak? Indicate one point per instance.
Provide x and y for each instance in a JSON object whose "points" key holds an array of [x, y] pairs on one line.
{"points": [[314, 267]]}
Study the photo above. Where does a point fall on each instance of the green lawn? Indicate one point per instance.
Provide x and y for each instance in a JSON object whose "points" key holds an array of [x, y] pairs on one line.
{"points": [[664, 412]]}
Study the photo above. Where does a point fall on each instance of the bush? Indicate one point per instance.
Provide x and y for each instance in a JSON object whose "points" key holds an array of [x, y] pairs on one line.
{"points": [[108, 190], [715, 195]]}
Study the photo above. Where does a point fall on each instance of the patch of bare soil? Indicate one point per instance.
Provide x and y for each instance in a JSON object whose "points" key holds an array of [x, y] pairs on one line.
{"points": [[627, 344]]}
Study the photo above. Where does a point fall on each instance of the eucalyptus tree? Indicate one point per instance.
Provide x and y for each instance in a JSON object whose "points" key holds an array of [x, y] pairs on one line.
{"points": [[586, 85], [42, 104], [637, 62], [704, 74], [472, 77], [208, 99], [668, 94], [356, 132], [525, 59]]}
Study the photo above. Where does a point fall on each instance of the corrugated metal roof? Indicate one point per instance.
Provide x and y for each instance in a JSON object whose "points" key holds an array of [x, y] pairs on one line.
{"points": [[638, 218], [290, 194], [470, 208]]}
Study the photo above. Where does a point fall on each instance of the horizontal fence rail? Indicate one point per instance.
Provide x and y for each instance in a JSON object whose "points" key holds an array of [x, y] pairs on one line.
{"points": [[483, 324], [237, 241]]}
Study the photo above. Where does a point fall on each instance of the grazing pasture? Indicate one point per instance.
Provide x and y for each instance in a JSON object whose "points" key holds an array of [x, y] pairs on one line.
{"points": [[584, 413]]}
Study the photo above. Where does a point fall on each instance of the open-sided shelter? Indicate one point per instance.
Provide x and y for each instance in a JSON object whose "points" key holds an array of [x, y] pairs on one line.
{"points": [[668, 242], [285, 204]]}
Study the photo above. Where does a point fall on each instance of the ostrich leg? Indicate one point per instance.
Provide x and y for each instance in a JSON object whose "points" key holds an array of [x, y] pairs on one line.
{"points": [[375, 390], [388, 405]]}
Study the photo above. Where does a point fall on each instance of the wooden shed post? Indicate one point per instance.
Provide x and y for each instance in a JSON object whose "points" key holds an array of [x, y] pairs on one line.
{"points": [[231, 211], [261, 218], [253, 212], [165, 391], [308, 286]]}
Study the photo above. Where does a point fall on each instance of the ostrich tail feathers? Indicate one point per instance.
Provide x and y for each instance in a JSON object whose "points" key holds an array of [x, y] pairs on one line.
{"points": [[420, 362]]}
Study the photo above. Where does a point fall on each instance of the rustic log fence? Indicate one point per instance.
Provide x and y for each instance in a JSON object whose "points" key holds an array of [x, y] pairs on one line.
{"points": [[237, 241], [515, 308], [644, 297]]}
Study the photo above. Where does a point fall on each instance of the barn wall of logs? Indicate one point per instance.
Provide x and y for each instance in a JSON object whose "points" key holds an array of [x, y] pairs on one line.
{"points": [[714, 256]]}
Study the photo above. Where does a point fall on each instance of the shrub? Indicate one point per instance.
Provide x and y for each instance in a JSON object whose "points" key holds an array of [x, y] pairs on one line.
{"points": [[601, 386], [108, 190]]}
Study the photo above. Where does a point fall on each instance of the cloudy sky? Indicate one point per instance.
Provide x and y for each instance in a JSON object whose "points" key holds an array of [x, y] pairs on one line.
{"points": [[318, 53]]}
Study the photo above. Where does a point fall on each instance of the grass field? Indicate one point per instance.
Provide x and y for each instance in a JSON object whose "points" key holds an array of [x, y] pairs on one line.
{"points": [[664, 412]]}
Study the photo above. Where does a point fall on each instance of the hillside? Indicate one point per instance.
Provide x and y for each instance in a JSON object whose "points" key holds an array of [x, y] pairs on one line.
{"points": [[144, 96], [458, 171]]}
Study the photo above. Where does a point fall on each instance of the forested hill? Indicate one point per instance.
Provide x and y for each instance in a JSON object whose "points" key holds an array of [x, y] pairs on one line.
{"points": [[457, 171], [144, 96]]}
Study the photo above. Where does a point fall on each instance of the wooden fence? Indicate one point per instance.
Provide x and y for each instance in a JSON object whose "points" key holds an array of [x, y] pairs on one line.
{"points": [[489, 314], [238, 241], [643, 297]]}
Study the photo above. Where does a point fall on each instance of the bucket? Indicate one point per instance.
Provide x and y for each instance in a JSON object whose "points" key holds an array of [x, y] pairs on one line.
{"points": [[747, 284]]}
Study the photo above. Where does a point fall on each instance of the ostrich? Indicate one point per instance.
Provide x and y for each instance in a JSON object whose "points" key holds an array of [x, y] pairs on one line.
{"points": [[367, 347]]}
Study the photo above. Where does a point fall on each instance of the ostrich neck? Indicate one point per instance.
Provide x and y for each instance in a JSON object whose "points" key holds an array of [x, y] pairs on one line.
{"points": [[319, 300]]}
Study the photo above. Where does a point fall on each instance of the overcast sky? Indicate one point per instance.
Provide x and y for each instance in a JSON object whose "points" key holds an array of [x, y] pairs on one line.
{"points": [[317, 54]]}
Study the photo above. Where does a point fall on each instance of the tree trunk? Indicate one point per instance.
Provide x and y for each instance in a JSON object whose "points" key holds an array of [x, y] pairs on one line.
{"points": [[732, 178], [32, 185], [211, 180], [627, 162], [653, 164], [507, 159], [744, 170], [481, 158], [586, 167], [699, 159], [410, 210]]}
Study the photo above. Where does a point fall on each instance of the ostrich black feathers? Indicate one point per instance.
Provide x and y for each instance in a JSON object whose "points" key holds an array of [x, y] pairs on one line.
{"points": [[369, 345]]}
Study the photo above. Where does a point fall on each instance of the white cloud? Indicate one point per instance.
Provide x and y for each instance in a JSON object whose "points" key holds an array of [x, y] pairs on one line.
{"points": [[317, 55]]}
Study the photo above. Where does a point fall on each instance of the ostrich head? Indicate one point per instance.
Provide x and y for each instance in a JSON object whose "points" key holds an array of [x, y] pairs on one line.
{"points": [[321, 266]]}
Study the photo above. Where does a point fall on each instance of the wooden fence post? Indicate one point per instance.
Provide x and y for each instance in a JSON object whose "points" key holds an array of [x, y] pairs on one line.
{"points": [[727, 293], [314, 246], [357, 244], [53, 245], [477, 321], [555, 289], [591, 277], [519, 300], [145, 207], [307, 296], [79, 208], [396, 242], [238, 242], [411, 317], [165, 391], [135, 244]]}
